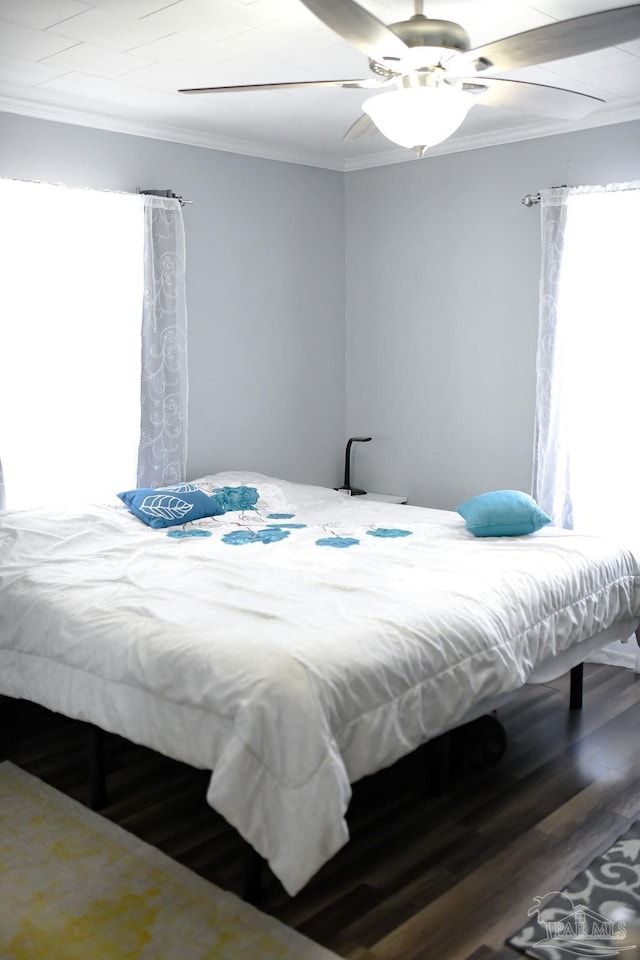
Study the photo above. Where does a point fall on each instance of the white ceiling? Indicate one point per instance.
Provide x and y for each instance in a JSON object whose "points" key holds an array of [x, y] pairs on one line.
{"points": [[117, 64]]}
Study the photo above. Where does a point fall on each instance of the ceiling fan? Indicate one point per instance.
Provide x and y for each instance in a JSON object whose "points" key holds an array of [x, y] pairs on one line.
{"points": [[429, 76]]}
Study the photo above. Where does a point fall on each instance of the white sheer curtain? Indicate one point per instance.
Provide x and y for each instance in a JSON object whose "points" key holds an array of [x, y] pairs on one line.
{"points": [[551, 468], [587, 457], [71, 362], [163, 435]]}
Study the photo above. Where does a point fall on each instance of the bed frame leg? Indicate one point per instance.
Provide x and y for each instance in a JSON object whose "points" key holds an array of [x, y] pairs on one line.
{"points": [[575, 692], [253, 874], [438, 777], [97, 779]]}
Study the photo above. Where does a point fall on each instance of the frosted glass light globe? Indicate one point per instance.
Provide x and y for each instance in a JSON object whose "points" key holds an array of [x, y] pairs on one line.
{"points": [[419, 116]]}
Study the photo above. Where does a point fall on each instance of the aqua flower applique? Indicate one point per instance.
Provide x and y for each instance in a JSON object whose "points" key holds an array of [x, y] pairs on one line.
{"points": [[287, 526], [339, 542], [236, 498], [239, 538], [180, 534], [389, 532]]}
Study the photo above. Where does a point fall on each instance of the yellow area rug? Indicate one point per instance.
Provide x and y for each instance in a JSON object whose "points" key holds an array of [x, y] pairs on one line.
{"points": [[74, 885]]}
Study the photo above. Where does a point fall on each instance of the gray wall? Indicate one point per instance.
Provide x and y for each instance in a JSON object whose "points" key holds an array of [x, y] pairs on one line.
{"points": [[442, 265], [265, 255], [442, 268]]}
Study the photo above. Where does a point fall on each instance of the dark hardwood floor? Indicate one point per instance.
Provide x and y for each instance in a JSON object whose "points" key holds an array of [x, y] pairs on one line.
{"points": [[431, 877]]}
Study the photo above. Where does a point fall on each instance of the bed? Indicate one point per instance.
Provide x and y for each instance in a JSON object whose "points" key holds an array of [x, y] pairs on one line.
{"points": [[295, 647]]}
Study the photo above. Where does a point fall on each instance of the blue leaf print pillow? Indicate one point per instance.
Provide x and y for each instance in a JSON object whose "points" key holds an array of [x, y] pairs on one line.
{"points": [[181, 488], [165, 507]]}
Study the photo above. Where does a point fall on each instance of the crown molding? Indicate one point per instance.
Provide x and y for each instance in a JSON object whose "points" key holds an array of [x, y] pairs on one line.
{"points": [[532, 131], [58, 113], [64, 113]]}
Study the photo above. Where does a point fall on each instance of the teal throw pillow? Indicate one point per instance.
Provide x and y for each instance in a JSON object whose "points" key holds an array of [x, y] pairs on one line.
{"points": [[502, 513], [167, 507]]}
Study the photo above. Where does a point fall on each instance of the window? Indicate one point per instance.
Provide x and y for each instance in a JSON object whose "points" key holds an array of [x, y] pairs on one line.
{"points": [[588, 457], [70, 367], [599, 335]]}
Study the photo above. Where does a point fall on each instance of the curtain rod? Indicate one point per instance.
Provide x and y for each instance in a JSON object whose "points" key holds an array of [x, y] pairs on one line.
{"points": [[531, 199], [58, 183], [164, 193]]}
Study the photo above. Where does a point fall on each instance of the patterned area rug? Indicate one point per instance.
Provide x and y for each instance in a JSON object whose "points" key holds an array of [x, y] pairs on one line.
{"points": [[596, 915], [73, 885]]}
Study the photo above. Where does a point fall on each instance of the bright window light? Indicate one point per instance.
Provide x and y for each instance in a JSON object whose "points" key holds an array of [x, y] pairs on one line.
{"points": [[72, 264], [597, 360]]}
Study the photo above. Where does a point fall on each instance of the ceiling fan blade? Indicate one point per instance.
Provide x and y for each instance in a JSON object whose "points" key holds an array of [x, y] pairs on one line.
{"points": [[366, 84], [555, 41], [535, 98], [363, 127], [355, 24]]}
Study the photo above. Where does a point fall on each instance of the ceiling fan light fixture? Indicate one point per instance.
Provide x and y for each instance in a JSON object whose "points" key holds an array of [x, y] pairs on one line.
{"points": [[424, 58], [419, 117]]}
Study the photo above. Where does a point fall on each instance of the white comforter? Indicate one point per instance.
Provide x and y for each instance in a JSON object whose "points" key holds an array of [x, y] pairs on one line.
{"points": [[290, 668]]}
